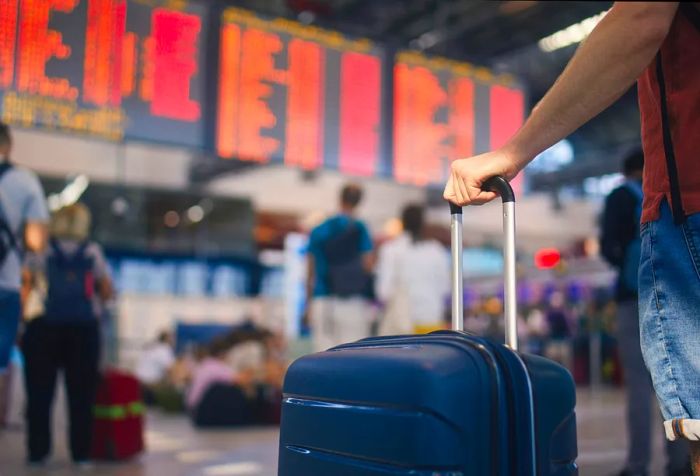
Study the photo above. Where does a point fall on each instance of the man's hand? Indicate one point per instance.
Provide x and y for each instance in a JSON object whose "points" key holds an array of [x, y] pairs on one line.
{"points": [[605, 66], [468, 175]]}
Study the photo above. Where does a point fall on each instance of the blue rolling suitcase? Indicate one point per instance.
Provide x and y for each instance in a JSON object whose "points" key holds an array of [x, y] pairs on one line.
{"points": [[443, 404]]}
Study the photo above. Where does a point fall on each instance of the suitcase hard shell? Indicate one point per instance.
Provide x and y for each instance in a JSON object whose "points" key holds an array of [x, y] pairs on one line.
{"points": [[442, 404], [118, 417]]}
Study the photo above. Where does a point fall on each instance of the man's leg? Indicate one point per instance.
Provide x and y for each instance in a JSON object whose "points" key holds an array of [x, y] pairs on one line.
{"points": [[9, 320], [637, 386], [669, 299]]}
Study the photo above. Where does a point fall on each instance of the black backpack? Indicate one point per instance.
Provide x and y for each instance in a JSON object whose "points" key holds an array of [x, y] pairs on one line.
{"points": [[71, 284], [8, 240], [346, 276]]}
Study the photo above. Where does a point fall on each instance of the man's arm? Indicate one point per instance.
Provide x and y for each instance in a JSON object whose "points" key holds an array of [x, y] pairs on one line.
{"points": [[27, 285], [36, 216], [369, 259], [604, 67], [35, 234], [103, 275]]}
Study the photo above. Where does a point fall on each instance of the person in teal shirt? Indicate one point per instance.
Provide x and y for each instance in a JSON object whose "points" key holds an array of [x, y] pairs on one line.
{"points": [[340, 261]]}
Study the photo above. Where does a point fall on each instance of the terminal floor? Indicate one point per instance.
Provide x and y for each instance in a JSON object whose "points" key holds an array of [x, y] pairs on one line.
{"points": [[176, 449]]}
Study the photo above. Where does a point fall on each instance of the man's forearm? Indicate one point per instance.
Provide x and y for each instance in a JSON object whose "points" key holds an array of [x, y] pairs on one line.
{"points": [[35, 235], [604, 67]]}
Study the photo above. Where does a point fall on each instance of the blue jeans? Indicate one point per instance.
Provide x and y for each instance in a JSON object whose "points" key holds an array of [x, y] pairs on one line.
{"points": [[669, 305], [9, 320]]}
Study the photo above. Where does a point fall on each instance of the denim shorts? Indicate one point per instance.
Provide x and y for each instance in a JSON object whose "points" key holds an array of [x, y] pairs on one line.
{"points": [[9, 320], [669, 308]]}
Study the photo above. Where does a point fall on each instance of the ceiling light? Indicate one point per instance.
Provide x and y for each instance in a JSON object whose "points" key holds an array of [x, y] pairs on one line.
{"points": [[171, 219], [570, 35], [70, 194], [195, 214]]}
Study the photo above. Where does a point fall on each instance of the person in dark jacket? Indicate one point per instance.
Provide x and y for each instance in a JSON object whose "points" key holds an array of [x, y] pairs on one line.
{"points": [[620, 244]]}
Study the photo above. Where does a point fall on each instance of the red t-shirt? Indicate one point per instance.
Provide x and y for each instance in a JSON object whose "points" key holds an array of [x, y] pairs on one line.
{"points": [[669, 102]]}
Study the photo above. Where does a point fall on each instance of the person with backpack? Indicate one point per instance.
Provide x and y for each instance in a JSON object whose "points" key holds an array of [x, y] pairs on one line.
{"points": [[23, 217], [620, 245], [75, 279], [339, 282]]}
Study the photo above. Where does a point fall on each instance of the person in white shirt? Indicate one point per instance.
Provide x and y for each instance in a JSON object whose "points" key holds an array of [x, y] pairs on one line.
{"points": [[413, 278], [156, 360]]}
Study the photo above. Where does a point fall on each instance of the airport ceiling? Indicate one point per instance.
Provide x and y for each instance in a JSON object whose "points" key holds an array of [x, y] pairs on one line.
{"points": [[502, 35]]}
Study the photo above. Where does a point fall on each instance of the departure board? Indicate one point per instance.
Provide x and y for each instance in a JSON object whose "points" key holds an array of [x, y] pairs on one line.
{"points": [[445, 110], [299, 95], [112, 69]]}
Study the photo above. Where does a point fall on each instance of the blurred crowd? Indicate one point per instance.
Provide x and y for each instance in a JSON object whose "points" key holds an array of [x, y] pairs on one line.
{"points": [[354, 290], [234, 378]]}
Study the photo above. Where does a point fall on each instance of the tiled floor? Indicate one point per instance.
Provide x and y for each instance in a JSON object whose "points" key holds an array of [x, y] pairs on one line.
{"points": [[175, 449]]}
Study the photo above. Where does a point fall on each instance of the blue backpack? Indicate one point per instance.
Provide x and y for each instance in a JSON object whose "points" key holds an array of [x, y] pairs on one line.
{"points": [[346, 276], [629, 274], [71, 285]]}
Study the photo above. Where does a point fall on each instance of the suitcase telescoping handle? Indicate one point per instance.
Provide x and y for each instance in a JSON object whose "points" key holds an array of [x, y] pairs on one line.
{"points": [[503, 188]]}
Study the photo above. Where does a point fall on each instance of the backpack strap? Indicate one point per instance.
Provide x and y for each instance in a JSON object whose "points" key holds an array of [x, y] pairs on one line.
{"points": [[59, 254], [4, 168], [57, 250], [4, 225], [81, 252]]}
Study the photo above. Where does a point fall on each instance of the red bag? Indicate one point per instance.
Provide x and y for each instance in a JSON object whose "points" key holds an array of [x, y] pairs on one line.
{"points": [[118, 417]]}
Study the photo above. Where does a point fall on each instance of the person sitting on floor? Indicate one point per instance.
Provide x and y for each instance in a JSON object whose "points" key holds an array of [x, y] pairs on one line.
{"points": [[222, 396], [213, 369], [154, 364]]}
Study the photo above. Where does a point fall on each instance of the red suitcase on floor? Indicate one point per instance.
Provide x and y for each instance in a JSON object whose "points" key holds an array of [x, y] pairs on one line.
{"points": [[118, 426]]}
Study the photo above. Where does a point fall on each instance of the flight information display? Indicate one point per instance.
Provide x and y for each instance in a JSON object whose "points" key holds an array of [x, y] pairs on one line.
{"points": [[444, 110], [298, 94], [112, 69]]}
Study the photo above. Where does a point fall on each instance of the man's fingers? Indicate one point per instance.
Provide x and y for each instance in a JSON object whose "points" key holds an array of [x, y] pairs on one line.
{"points": [[463, 190], [483, 197], [448, 193], [456, 192]]}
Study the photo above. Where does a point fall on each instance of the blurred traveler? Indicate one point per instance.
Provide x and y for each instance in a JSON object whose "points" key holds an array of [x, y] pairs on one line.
{"points": [[339, 264], [23, 217], [657, 44], [155, 363], [214, 369], [621, 247], [413, 279], [66, 335], [559, 346], [221, 396]]}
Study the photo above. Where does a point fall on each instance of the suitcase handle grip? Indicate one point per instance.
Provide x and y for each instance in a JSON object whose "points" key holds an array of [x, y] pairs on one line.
{"points": [[501, 186], [495, 184]]}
